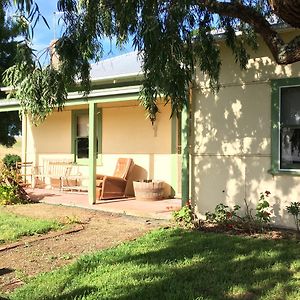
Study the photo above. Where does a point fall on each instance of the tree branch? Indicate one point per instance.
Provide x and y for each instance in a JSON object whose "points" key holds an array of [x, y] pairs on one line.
{"points": [[283, 53], [287, 10]]}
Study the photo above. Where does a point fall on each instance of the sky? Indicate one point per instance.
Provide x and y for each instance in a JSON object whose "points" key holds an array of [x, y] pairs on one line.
{"points": [[43, 35]]}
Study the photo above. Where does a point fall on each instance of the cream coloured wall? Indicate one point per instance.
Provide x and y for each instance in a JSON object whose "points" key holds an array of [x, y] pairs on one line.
{"points": [[125, 133], [51, 139], [231, 138], [126, 129]]}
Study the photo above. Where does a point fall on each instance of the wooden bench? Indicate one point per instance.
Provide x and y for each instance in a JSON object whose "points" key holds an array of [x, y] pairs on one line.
{"points": [[24, 174], [63, 175]]}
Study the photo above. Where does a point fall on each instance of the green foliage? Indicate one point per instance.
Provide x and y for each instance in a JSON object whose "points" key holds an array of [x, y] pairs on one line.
{"points": [[223, 215], [10, 126], [10, 191], [233, 218], [172, 39], [12, 226], [8, 195], [184, 217], [294, 210], [176, 264], [10, 160], [262, 209], [41, 92], [262, 217]]}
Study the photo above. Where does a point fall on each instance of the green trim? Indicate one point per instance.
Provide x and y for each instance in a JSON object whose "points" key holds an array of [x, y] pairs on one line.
{"points": [[86, 100], [92, 152], [185, 180], [174, 134], [85, 161], [102, 99], [276, 85], [284, 173], [73, 133], [115, 82], [174, 156], [99, 118]]}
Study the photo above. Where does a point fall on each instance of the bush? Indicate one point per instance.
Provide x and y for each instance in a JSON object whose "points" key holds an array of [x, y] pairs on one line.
{"points": [[10, 160], [231, 218], [294, 210], [223, 215], [9, 195], [184, 217], [11, 192]]}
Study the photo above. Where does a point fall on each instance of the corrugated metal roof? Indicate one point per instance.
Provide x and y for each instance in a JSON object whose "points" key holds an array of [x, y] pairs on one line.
{"points": [[121, 65]]}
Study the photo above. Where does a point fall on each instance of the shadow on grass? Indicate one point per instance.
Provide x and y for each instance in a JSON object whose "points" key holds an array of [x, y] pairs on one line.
{"points": [[176, 264]]}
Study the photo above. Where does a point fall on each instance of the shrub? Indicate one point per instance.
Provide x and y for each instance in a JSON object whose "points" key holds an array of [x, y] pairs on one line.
{"points": [[294, 209], [230, 218], [9, 195], [10, 160], [184, 217], [223, 215], [10, 191]]}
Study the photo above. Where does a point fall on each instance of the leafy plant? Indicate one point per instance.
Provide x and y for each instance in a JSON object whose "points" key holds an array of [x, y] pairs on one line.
{"points": [[294, 209], [10, 191], [8, 195], [223, 215], [263, 214], [230, 218], [10, 160], [184, 217]]}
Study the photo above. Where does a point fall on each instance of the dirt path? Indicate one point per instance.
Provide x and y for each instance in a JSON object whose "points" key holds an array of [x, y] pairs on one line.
{"points": [[100, 230]]}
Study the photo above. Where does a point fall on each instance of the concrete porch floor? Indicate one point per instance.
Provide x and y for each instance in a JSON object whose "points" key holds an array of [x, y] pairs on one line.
{"points": [[161, 209]]}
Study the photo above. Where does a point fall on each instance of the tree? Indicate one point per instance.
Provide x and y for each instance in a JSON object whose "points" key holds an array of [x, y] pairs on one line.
{"points": [[172, 36], [10, 124]]}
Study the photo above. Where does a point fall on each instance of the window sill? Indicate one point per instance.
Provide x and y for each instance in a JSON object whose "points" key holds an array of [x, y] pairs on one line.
{"points": [[85, 162], [284, 172]]}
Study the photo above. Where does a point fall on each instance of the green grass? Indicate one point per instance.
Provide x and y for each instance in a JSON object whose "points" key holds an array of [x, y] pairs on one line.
{"points": [[13, 226], [177, 264]]}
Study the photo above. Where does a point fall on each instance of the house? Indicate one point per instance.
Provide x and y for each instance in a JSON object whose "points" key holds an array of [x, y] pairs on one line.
{"points": [[244, 140], [113, 115]]}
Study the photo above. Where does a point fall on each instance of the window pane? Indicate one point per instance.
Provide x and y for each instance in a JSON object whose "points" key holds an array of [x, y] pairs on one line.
{"points": [[290, 148], [83, 147], [83, 125], [290, 106]]}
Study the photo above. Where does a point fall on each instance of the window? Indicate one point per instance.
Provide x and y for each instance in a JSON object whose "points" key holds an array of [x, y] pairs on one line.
{"points": [[290, 128], [80, 135], [286, 125]]}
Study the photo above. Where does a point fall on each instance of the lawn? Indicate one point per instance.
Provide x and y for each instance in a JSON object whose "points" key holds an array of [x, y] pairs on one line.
{"points": [[13, 227], [177, 264]]}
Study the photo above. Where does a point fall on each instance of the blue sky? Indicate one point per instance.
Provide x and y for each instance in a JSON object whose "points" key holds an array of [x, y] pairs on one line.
{"points": [[43, 36]]}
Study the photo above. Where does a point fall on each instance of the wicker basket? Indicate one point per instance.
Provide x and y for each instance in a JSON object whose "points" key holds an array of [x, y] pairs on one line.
{"points": [[148, 191]]}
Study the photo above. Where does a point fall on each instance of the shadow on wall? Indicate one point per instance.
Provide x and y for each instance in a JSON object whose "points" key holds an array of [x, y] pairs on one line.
{"points": [[231, 151]]}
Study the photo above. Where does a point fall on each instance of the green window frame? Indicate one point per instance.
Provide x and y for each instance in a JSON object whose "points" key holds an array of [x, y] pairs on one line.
{"points": [[277, 87], [74, 137]]}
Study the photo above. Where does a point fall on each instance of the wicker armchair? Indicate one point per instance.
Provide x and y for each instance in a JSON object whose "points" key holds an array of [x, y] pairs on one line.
{"points": [[113, 187]]}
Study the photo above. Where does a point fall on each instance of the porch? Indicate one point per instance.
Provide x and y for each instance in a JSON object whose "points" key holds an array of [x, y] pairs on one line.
{"points": [[161, 209]]}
